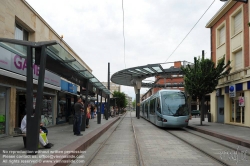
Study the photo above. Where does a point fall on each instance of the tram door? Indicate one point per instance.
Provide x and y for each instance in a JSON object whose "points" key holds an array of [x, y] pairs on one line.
{"points": [[158, 111], [152, 112]]}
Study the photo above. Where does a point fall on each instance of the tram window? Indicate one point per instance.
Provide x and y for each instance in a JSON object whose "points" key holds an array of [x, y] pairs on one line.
{"points": [[158, 105], [146, 107], [152, 107]]}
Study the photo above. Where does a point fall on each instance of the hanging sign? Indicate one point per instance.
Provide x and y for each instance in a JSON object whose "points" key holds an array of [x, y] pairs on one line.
{"points": [[232, 91], [241, 101]]}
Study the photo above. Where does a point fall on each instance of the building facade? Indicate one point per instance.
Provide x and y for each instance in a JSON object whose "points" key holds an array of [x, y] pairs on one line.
{"points": [[230, 38], [171, 80], [18, 20], [129, 104], [113, 87]]}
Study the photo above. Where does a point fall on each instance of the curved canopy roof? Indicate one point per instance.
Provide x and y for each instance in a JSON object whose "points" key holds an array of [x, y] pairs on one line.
{"points": [[128, 77]]}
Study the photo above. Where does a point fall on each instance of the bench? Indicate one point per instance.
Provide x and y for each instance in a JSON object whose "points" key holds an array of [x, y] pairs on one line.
{"points": [[18, 133]]}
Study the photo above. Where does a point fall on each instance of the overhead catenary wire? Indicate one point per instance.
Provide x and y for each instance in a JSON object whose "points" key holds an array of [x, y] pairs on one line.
{"points": [[123, 35], [190, 31]]}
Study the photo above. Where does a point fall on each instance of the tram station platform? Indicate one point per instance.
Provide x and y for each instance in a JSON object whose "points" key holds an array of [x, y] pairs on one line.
{"points": [[61, 136], [232, 133]]}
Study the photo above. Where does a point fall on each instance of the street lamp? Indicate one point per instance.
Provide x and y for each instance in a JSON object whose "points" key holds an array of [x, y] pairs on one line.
{"points": [[244, 1]]}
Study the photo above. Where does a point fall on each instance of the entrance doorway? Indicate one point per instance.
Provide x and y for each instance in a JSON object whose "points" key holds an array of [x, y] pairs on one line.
{"points": [[237, 113], [220, 109]]}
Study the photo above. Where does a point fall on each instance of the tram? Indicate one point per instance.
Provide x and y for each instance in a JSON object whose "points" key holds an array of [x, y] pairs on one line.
{"points": [[166, 108]]}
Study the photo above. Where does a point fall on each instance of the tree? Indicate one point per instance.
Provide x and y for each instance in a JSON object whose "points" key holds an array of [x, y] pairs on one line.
{"points": [[134, 103], [202, 77], [121, 101]]}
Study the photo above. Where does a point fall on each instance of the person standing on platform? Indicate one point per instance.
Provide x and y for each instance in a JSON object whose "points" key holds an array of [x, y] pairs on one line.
{"points": [[79, 111], [88, 116], [92, 111]]}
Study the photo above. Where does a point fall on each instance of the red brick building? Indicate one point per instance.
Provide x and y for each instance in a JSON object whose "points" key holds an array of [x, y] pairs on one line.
{"points": [[230, 38], [173, 80]]}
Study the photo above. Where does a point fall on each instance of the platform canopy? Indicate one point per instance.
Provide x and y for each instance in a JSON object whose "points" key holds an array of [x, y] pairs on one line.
{"points": [[59, 61], [130, 76]]}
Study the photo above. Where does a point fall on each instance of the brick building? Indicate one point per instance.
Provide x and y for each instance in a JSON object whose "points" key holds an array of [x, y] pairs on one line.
{"points": [[230, 38], [169, 80]]}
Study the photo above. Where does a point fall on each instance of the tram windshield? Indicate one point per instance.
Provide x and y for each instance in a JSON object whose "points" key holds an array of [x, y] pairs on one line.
{"points": [[174, 103]]}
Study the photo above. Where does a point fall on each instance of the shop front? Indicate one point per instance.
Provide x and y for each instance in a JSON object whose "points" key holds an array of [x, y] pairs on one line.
{"points": [[13, 92], [238, 109], [66, 100], [47, 113], [3, 110]]}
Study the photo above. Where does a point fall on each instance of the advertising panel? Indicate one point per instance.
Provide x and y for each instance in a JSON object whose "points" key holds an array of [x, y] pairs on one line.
{"points": [[17, 64]]}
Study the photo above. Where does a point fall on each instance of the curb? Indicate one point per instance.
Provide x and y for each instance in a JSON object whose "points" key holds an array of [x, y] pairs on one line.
{"points": [[225, 137], [79, 145]]}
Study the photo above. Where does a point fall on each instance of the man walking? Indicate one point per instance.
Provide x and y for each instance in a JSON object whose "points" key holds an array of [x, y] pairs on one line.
{"points": [[79, 111]]}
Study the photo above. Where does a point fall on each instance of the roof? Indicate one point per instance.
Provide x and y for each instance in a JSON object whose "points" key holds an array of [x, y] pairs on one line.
{"points": [[220, 13], [59, 61], [130, 76]]}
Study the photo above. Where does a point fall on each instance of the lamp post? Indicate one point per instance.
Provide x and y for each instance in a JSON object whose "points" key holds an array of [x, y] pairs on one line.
{"points": [[244, 1]]}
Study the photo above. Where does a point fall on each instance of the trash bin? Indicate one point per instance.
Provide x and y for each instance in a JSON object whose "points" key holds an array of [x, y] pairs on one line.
{"points": [[209, 117]]}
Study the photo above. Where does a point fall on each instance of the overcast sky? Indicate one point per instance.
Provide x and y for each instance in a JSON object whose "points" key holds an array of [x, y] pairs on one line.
{"points": [[153, 29]]}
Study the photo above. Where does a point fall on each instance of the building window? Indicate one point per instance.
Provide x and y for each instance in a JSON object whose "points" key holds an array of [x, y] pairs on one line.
{"points": [[237, 21], [222, 35], [238, 62], [20, 33]]}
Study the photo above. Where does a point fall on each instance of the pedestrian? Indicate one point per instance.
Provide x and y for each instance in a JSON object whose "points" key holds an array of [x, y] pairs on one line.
{"points": [[95, 110], [43, 140], [112, 111], [79, 111], [88, 116], [92, 111]]}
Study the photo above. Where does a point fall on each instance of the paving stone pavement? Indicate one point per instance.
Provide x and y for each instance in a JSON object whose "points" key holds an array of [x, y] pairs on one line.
{"points": [[161, 148], [120, 149]]}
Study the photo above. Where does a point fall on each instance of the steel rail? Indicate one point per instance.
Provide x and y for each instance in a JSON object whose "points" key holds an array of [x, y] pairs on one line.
{"points": [[102, 145], [140, 159]]}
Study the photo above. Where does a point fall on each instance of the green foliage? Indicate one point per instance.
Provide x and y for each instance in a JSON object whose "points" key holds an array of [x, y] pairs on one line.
{"points": [[202, 77], [121, 101], [134, 103]]}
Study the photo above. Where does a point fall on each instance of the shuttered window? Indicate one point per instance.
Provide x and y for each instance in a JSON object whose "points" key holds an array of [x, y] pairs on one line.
{"points": [[238, 60], [237, 23], [222, 35]]}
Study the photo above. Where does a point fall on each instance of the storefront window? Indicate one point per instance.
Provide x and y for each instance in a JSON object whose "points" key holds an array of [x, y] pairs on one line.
{"points": [[47, 114], [2, 110], [62, 106], [237, 114], [47, 111]]}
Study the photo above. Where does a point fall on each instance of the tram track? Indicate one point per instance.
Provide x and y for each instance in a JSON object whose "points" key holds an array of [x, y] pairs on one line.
{"points": [[140, 159], [102, 145], [210, 139], [87, 163], [183, 136]]}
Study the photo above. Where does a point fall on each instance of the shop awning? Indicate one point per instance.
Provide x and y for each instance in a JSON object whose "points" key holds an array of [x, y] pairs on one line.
{"points": [[59, 61]]}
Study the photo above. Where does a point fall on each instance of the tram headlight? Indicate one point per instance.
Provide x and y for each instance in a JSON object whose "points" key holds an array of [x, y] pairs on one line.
{"points": [[164, 120]]}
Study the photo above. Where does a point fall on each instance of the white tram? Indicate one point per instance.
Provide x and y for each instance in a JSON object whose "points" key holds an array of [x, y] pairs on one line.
{"points": [[166, 108]]}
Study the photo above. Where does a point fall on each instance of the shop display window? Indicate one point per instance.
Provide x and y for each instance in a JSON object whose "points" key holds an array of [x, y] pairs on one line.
{"points": [[62, 107], [47, 110], [237, 114], [2, 110]]}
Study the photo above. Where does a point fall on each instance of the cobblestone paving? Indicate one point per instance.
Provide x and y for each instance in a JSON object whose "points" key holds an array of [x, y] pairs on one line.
{"points": [[120, 149], [160, 148]]}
